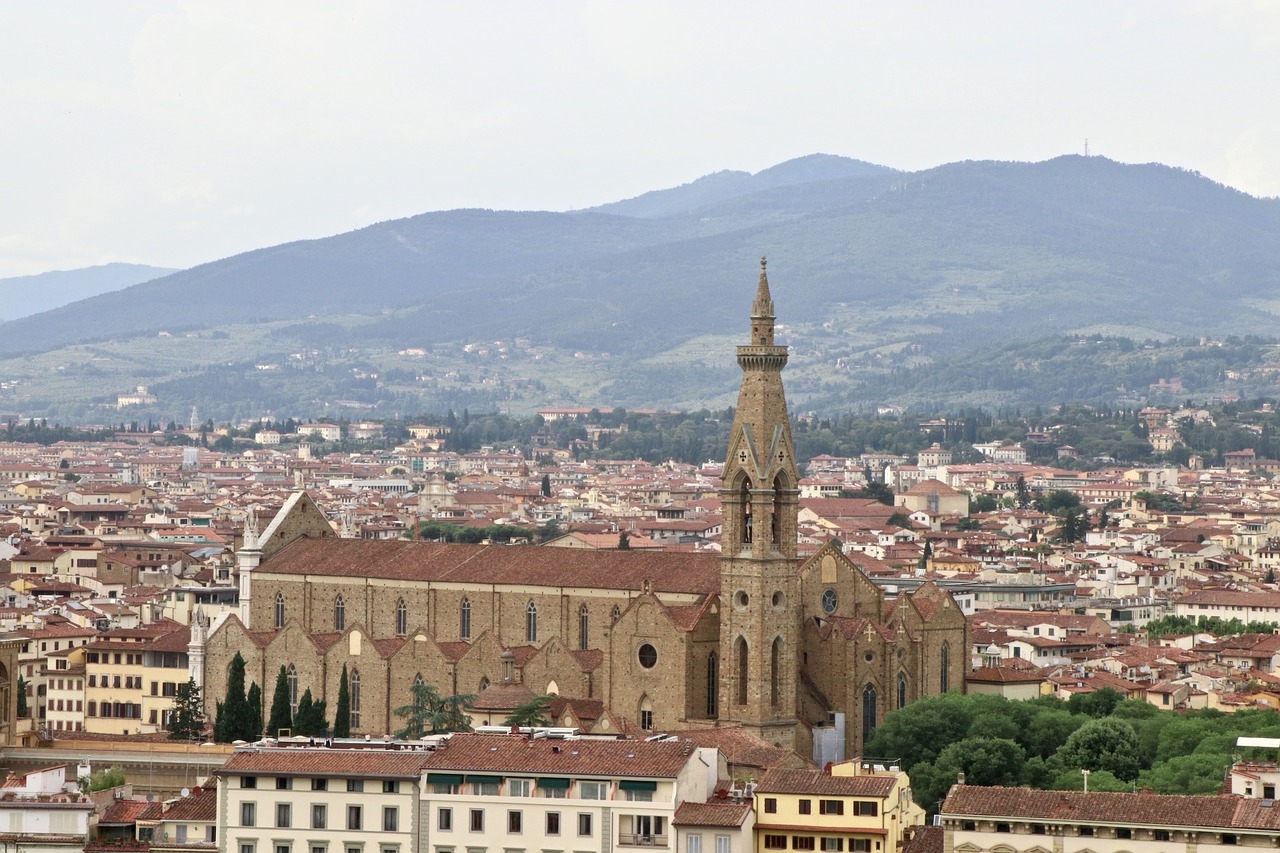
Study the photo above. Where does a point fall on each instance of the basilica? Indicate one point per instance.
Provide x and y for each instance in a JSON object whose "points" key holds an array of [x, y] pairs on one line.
{"points": [[755, 637]]}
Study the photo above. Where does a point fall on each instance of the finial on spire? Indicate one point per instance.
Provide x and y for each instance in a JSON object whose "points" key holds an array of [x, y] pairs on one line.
{"points": [[763, 306]]}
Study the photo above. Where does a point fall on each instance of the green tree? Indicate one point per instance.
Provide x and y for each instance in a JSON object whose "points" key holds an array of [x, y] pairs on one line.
{"points": [[1099, 780], [22, 696], [342, 713], [235, 719], [535, 712], [546, 485], [1200, 773], [1022, 493], [254, 701], [309, 720], [430, 713], [925, 556], [187, 720], [1099, 703], [1104, 744], [281, 713], [624, 541], [900, 519], [983, 503], [102, 780]]}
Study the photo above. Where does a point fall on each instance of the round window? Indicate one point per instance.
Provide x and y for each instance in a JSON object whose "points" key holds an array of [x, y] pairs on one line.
{"points": [[648, 656], [779, 600], [741, 599], [829, 601], [869, 657]]}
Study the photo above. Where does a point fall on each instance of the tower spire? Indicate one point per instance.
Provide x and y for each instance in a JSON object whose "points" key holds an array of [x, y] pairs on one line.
{"points": [[762, 315]]}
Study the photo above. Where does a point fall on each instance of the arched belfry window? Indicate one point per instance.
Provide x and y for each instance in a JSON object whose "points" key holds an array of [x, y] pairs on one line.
{"points": [[464, 620], [741, 651], [713, 684], [531, 623], [339, 614], [746, 511], [584, 628], [944, 674], [402, 617], [775, 516], [775, 667], [279, 609], [902, 690], [869, 703]]}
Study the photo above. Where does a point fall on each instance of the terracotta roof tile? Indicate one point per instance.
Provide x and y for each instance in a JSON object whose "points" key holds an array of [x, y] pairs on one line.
{"points": [[783, 781], [711, 814]]}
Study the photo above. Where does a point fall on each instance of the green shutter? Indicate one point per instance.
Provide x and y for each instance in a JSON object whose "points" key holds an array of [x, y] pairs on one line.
{"points": [[444, 778], [552, 782], [484, 780], [637, 785]]}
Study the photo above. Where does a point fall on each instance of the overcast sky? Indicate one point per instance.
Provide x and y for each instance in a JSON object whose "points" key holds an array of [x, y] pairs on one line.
{"points": [[173, 133]]}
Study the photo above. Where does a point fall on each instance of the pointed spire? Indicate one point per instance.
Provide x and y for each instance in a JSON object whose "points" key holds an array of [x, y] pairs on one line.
{"points": [[763, 306]]}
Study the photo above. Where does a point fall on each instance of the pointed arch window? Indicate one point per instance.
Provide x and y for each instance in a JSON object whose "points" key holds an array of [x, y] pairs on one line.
{"points": [[531, 623], [484, 683], [775, 661], [291, 679], [775, 514], [616, 613], [584, 628], [944, 675], [339, 614], [646, 714], [279, 610], [353, 693], [713, 684], [869, 704], [741, 651], [902, 690], [402, 618], [417, 680], [747, 522], [464, 619]]}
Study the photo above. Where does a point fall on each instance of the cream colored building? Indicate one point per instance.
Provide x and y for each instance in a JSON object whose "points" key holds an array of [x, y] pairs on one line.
{"points": [[979, 819], [856, 806]]}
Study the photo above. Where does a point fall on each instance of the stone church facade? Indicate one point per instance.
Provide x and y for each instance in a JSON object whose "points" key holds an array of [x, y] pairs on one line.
{"points": [[756, 636]]}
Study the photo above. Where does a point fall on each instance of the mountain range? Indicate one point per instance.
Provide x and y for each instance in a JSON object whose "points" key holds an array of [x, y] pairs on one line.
{"points": [[22, 296], [874, 270]]}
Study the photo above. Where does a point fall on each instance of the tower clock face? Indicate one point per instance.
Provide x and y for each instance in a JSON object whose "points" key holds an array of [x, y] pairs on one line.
{"points": [[829, 600]]}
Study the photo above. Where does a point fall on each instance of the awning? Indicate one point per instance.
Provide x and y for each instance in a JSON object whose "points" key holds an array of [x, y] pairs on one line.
{"points": [[444, 778], [484, 780], [637, 785], [552, 782]]}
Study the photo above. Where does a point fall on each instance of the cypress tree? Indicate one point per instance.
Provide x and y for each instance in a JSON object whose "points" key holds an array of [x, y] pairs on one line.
{"points": [[253, 718], [232, 710], [342, 714], [304, 719], [281, 714]]}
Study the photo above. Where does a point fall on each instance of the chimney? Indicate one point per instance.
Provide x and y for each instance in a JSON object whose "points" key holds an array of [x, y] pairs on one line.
{"points": [[960, 778]]}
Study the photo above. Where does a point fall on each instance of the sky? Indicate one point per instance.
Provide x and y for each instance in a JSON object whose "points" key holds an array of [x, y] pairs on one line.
{"points": [[176, 133]]}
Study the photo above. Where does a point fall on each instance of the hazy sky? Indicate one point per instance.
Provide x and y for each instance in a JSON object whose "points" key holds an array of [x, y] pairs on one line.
{"points": [[173, 133]]}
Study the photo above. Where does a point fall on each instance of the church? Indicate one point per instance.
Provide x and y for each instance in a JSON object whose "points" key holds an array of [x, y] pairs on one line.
{"points": [[754, 637]]}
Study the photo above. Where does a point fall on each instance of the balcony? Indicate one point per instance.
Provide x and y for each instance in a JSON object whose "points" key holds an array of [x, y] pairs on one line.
{"points": [[627, 839]]}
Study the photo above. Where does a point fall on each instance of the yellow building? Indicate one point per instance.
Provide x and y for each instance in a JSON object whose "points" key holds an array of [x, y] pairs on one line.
{"points": [[118, 680], [856, 806]]}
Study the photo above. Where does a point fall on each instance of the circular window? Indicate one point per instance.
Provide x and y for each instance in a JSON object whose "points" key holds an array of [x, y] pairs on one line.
{"points": [[829, 601], [648, 656], [901, 654], [741, 599], [779, 600], [869, 657]]}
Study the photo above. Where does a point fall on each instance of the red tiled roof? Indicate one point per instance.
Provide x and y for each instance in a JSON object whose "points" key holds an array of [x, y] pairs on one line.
{"points": [[783, 781], [711, 814], [506, 753]]}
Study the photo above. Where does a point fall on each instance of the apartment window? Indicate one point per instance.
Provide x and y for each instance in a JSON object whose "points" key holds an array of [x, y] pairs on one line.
{"points": [[355, 786], [485, 789], [390, 786], [553, 823], [970, 826], [319, 816], [282, 848], [284, 815], [646, 719], [805, 807], [593, 790], [248, 814], [802, 842], [284, 783], [319, 784], [319, 848], [1161, 835], [1086, 830], [1002, 827], [772, 842], [520, 787], [444, 820], [476, 820], [515, 822], [1124, 832], [859, 845], [830, 807], [770, 805], [248, 781], [355, 817], [246, 848], [1228, 838], [181, 830], [584, 825], [390, 819], [832, 845], [722, 844], [866, 809], [639, 796], [693, 843]]}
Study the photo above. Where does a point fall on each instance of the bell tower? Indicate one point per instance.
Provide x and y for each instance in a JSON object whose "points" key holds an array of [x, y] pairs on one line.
{"points": [[759, 586]]}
